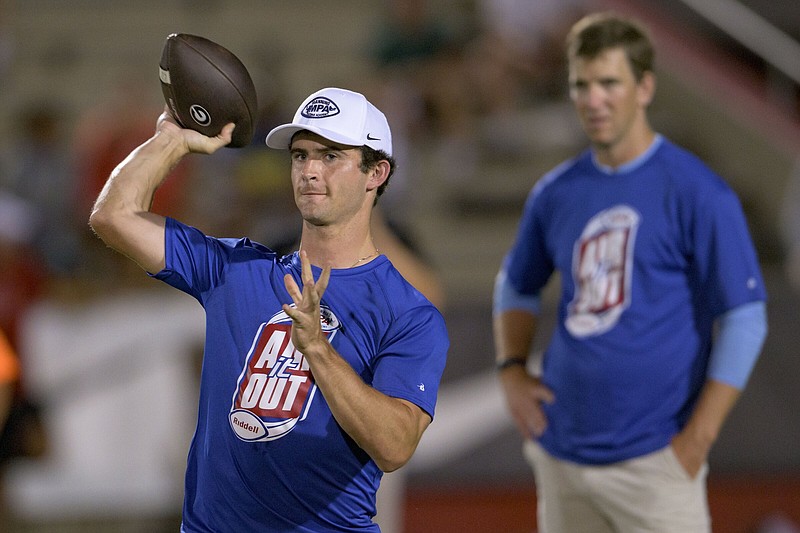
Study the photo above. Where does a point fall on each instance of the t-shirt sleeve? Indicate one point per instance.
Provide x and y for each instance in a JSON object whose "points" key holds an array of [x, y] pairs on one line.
{"points": [[527, 264], [194, 261], [412, 358], [725, 258]]}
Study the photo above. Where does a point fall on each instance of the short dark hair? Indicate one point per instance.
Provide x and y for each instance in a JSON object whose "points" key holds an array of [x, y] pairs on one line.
{"points": [[597, 32], [371, 157]]}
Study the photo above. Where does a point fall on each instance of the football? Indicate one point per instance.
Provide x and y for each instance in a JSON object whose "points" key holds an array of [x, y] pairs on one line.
{"points": [[206, 86]]}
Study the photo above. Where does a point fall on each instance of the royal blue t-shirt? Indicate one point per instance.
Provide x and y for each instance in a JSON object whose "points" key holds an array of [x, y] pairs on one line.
{"points": [[267, 454], [648, 256]]}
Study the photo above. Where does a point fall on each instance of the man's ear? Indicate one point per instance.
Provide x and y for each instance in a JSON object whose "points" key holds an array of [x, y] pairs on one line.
{"points": [[378, 174], [647, 88]]}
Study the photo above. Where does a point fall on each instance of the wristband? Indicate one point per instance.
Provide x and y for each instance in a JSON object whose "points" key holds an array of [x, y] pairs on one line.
{"points": [[511, 361]]}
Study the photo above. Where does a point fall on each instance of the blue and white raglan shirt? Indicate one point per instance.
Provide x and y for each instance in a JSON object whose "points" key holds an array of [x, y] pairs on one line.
{"points": [[267, 454], [649, 255]]}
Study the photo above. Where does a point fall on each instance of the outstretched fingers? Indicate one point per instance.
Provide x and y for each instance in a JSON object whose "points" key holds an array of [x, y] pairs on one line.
{"points": [[292, 288], [305, 314], [308, 298], [312, 290]]}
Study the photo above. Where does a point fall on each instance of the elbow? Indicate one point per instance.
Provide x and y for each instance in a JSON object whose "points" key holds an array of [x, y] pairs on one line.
{"points": [[106, 226], [106, 221], [389, 468], [398, 448], [95, 218], [100, 222], [395, 443], [389, 464], [395, 456]]}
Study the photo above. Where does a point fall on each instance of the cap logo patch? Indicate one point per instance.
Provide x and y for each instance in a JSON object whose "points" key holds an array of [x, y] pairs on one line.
{"points": [[320, 107]]}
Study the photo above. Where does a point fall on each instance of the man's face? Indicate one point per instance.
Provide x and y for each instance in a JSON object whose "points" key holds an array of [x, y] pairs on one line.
{"points": [[329, 186], [608, 99]]}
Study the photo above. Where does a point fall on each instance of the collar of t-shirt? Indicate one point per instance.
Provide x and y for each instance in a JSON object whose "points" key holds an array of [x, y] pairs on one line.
{"points": [[632, 164]]}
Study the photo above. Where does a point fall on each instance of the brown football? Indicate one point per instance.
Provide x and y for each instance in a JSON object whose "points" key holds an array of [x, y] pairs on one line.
{"points": [[206, 86]]}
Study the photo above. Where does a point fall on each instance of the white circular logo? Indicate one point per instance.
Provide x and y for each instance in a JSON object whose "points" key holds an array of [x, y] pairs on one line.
{"points": [[200, 115]]}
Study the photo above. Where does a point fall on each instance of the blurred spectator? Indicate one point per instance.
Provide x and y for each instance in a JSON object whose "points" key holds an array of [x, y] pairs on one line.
{"points": [[104, 136], [41, 172], [21, 430], [7, 44], [790, 226], [516, 59], [9, 374], [419, 53], [22, 275], [777, 523], [257, 192], [266, 199], [409, 260], [518, 75], [423, 86], [107, 133], [420, 84], [21, 279]]}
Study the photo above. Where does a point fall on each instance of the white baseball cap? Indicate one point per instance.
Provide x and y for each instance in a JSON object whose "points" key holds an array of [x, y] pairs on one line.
{"points": [[338, 115]]}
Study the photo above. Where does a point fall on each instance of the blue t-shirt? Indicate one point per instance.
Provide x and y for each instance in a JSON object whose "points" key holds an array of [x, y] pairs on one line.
{"points": [[267, 454], [648, 256]]}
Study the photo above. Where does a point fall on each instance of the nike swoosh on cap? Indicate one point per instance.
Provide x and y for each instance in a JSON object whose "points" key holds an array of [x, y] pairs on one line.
{"points": [[371, 138]]}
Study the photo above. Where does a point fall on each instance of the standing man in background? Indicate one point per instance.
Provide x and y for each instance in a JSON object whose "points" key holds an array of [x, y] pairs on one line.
{"points": [[653, 253], [321, 368]]}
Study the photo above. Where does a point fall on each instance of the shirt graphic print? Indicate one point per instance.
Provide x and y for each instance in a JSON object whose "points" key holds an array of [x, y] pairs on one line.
{"points": [[275, 389], [601, 268]]}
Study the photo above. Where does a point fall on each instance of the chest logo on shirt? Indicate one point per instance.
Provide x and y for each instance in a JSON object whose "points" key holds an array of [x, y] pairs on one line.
{"points": [[602, 264], [275, 388]]}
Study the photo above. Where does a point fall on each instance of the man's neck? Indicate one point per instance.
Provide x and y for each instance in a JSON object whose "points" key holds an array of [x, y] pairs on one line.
{"points": [[618, 154], [338, 248]]}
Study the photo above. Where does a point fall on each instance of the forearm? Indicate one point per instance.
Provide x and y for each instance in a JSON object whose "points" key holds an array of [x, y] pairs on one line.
{"points": [[693, 444], [387, 428], [132, 184], [514, 320], [121, 215], [513, 334], [741, 334], [713, 407]]}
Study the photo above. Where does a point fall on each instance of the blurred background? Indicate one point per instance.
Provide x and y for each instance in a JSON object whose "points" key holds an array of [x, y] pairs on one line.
{"points": [[475, 93]]}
